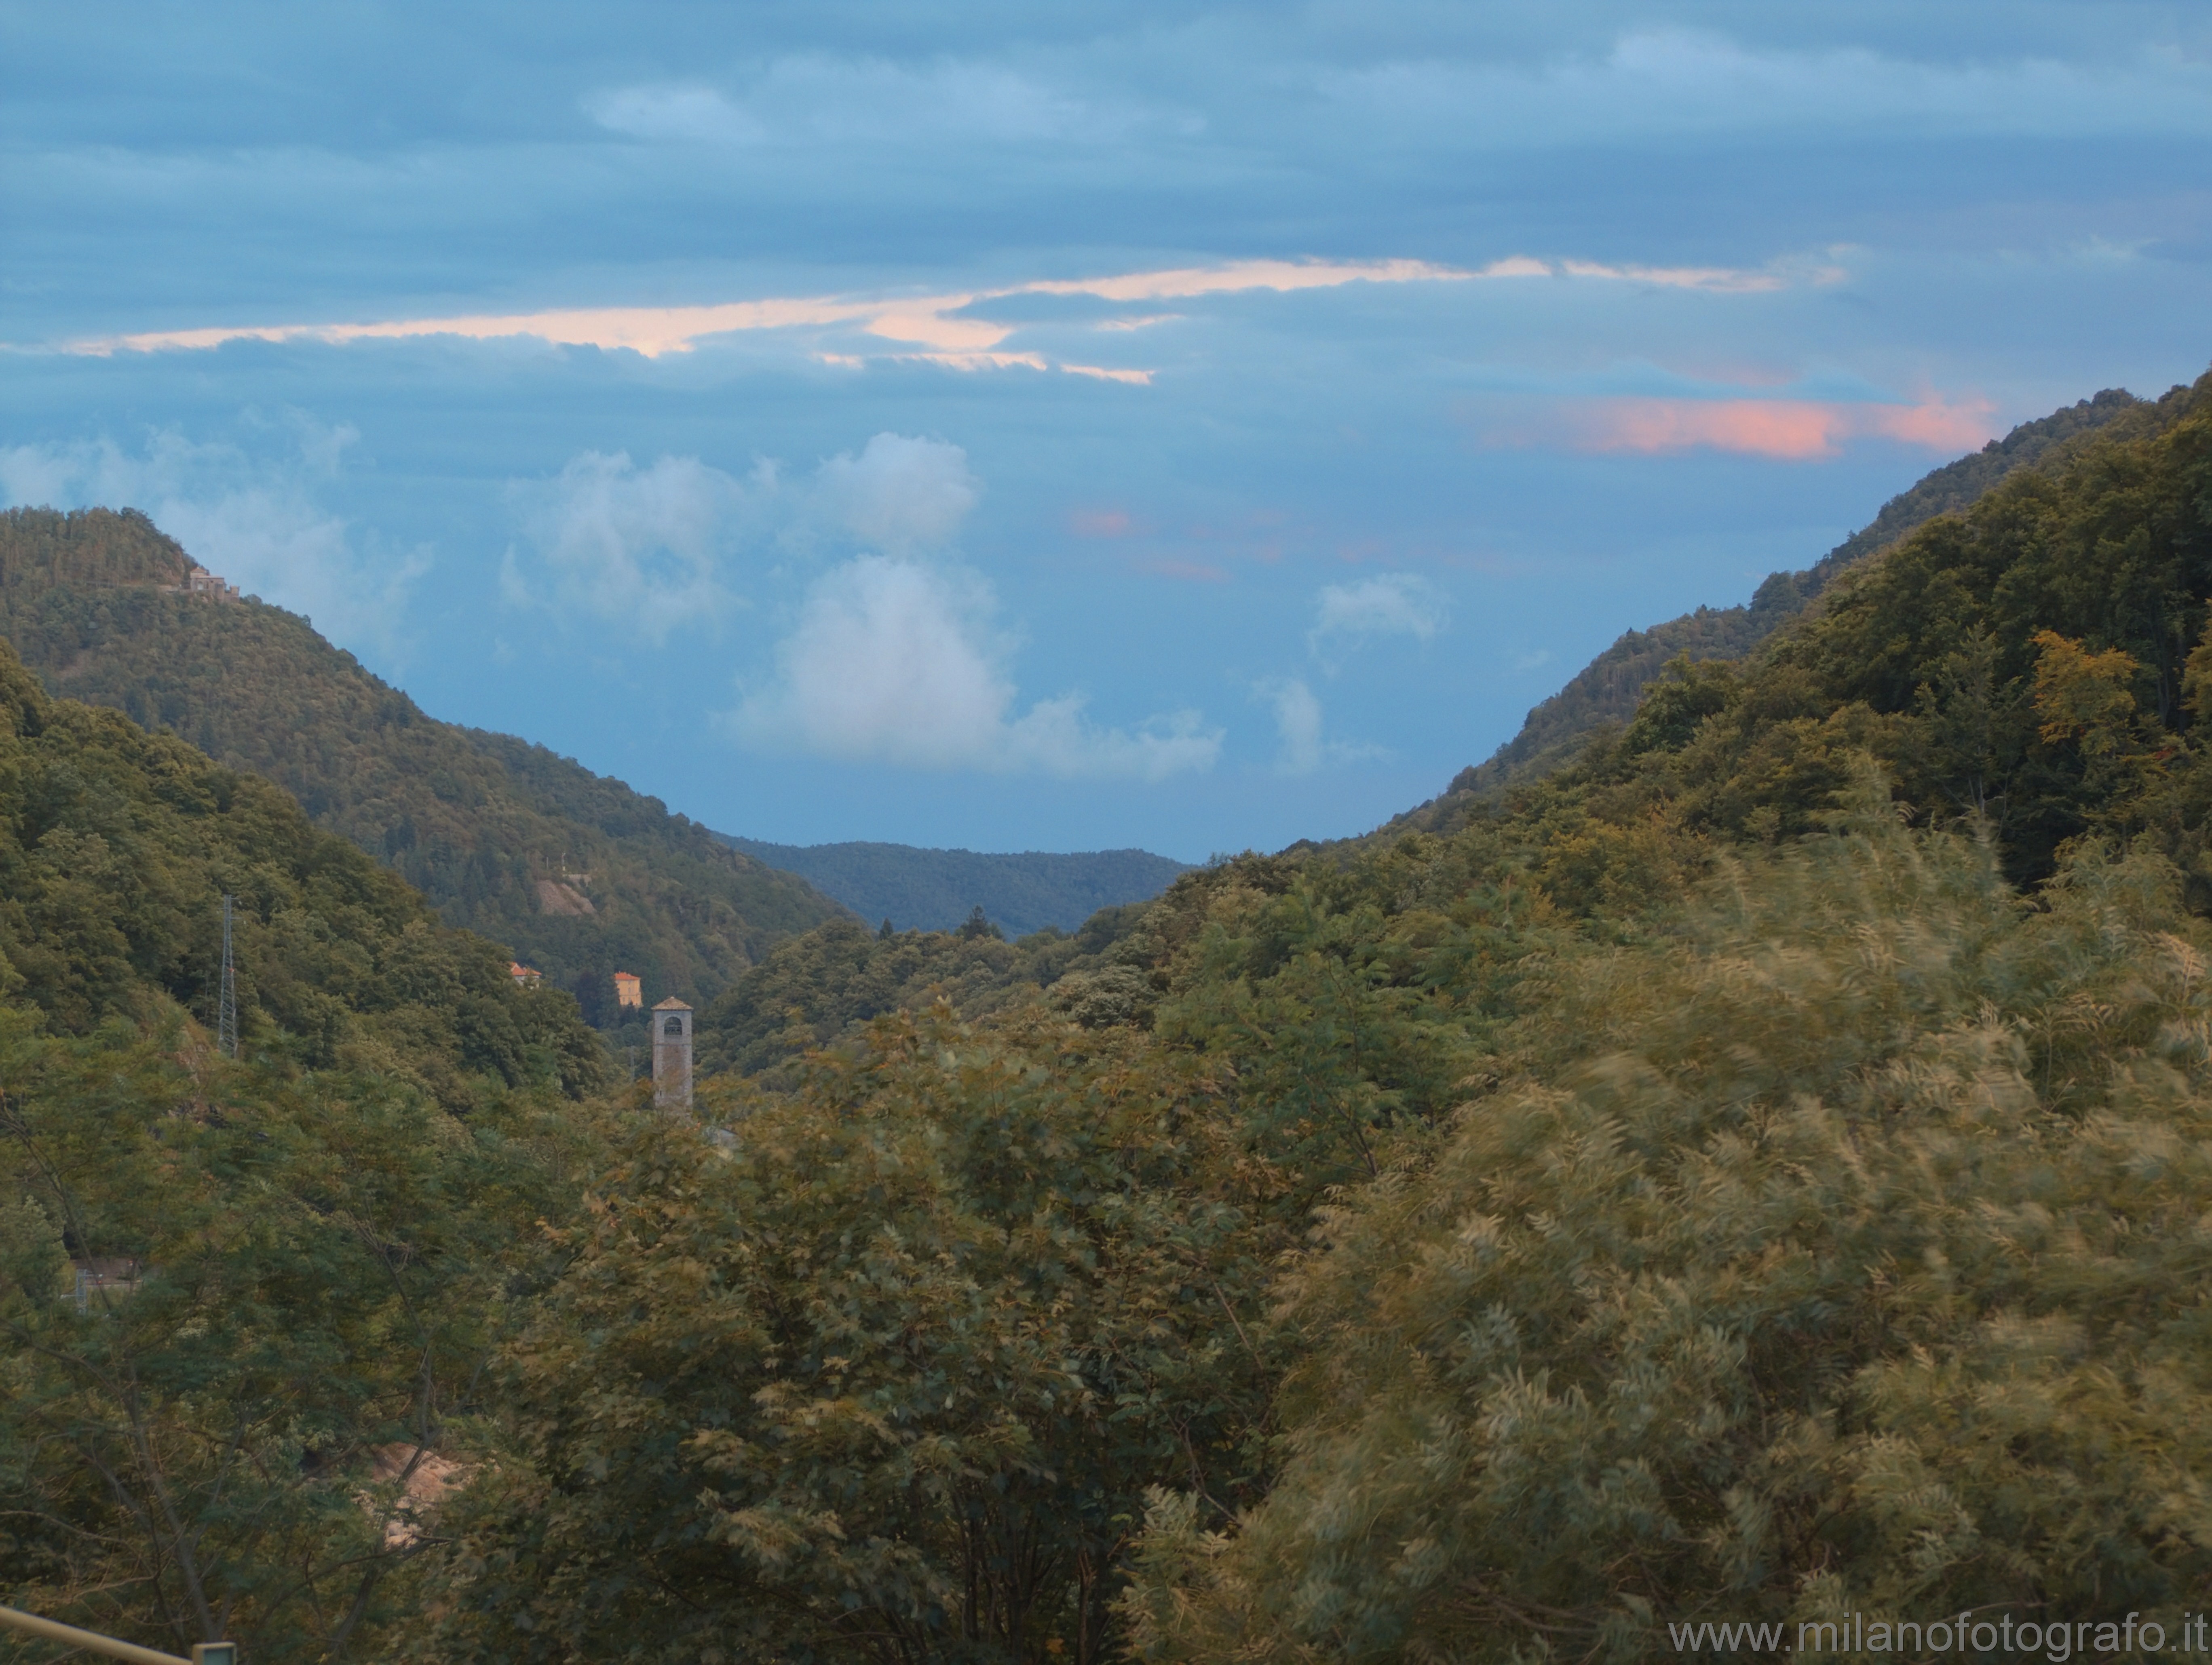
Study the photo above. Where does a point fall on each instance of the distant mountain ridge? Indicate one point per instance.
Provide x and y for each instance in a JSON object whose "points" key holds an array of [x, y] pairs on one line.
{"points": [[1608, 689], [576, 874], [935, 890]]}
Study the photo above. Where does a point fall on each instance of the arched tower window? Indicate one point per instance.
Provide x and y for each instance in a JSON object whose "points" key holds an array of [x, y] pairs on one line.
{"points": [[671, 1054]]}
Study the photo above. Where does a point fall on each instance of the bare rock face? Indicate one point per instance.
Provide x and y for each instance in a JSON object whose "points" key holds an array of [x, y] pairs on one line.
{"points": [[554, 897], [423, 1480]]}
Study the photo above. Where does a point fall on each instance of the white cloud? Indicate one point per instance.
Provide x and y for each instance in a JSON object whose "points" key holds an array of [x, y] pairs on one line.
{"points": [[1298, 721], [895, 661], [253, 519], [640, 547], [898, 494], [1303, 749], [648, 549], [1392, 604]]}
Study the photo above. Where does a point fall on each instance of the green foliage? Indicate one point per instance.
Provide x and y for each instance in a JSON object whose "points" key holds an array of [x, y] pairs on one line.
{"points": [[240, 1299], [1677, 703], [1844, 1253], [577, 874], [116, 849], [93, 548], [1944, 638], [217, 1441], [834, 980], [887, 1376], [933, 890], [1351, 1004]]}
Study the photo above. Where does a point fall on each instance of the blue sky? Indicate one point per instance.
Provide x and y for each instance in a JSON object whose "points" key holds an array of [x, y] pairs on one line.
{"points": [[1059, 427]]}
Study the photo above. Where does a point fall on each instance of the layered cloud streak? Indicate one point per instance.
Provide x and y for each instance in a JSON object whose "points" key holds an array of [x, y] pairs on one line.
{"points": [[953, 328]]}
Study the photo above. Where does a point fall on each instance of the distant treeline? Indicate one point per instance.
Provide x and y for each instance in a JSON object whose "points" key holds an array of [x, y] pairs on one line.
{"points": [[936, 890]]}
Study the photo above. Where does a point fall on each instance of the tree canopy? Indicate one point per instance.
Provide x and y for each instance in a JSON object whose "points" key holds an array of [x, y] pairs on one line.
{"points": [[242, 1298], [1841, 1251], [887, 1375]]}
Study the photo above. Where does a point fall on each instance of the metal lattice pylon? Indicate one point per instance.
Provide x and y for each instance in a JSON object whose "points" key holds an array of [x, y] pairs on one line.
{"points": [[225, 1019]]}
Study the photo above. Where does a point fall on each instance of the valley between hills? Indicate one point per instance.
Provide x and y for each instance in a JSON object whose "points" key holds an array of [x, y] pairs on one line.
{"points": [[1742, 1152]]}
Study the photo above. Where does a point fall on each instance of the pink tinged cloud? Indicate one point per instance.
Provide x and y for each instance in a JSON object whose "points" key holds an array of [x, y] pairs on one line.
{"points": [[1794, 430], [926, 328], [1099, 372]]}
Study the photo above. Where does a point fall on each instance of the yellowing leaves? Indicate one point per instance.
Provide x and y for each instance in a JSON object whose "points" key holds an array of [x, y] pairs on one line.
{"points": [[1846, 1238], [2084, 697]]}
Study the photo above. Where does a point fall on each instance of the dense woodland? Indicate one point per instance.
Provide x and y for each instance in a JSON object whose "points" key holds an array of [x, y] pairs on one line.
{"points": [[1761, 1169]]}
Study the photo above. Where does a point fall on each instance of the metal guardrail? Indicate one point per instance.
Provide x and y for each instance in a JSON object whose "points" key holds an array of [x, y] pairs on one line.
{"points": [[204, 1653]]}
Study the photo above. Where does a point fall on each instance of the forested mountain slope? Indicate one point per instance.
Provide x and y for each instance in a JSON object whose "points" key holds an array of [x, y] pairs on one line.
{"points": [[1941, 656], [1607, 688], [117, 847], [936, 890], [580, 876], [237, 1295]]}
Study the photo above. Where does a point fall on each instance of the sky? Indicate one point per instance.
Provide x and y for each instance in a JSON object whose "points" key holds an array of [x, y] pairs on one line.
{"points": [[1060, 427]]}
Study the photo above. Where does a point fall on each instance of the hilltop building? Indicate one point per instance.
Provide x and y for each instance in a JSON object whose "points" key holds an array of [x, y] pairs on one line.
{"points": [[671, 1054], [201, 581], [628, 991], [528, 977], [96, 1277]]}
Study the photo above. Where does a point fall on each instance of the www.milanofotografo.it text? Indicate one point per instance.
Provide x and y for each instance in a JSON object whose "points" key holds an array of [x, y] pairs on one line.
{"points": [[1969, 1635]]}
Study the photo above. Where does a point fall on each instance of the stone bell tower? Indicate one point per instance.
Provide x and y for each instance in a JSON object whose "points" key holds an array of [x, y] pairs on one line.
{"points": [[671, 1054]]}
